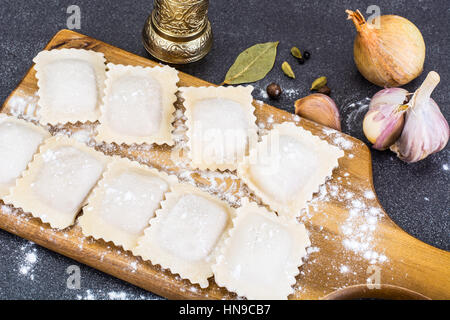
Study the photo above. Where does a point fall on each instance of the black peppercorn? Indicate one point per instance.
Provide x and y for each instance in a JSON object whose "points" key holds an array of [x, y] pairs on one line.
{"points": [[306, 55], [274, 90], [301, 61]]}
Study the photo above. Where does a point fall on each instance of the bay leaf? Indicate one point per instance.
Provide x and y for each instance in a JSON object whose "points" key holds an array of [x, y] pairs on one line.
{"points": [[252, 64]]}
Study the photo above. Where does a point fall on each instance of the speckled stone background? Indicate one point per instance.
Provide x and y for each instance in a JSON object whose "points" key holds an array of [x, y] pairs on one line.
{"points": [[415, 196]]}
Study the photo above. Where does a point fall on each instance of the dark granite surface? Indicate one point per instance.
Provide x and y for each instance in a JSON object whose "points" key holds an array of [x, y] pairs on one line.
{"points": [[415, 196]]}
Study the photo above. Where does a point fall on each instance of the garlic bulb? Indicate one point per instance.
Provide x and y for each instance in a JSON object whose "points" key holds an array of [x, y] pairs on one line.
{"points": [[319, 108], [384, 121], [392, 54], [426, 130]]}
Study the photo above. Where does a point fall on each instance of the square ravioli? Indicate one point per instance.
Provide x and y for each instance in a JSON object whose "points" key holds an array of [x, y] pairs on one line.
{"points": [[260, 259], [19, 141], [221, 125], [185, 233], [287, 167], [120, 207], [138, 105], [58, 181], [71, 85]]}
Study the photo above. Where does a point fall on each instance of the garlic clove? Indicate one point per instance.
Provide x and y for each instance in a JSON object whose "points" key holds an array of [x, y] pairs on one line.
{"points": [[384, 122], [319, 108], [390, 54], [395, 96], [426, 130], [383, 126]]}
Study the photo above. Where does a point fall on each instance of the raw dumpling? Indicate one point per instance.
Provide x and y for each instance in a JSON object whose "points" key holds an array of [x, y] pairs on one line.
{"points": [[71, 84], [261, 257], [221, 125], [58, 181], [138, 105], [185, 233], [19, 141], [120, 207], [287, 167]]}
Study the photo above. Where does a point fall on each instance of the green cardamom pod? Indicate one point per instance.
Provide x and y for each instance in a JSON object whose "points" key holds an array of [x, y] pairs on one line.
{"points": [[287, 70], [296, 52], [319, 83]]}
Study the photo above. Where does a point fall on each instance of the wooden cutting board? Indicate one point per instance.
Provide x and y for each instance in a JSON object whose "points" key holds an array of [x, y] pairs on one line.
{"points": [[349, 250]]}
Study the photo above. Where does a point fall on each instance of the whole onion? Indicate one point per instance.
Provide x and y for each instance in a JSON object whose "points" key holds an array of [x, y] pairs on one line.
{"points": [[391, 55]]}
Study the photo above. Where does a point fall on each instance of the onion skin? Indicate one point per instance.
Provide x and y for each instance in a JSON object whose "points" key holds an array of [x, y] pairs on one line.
{"points": [[319, 108], [426, 130], [389, 56], [384, 122]]}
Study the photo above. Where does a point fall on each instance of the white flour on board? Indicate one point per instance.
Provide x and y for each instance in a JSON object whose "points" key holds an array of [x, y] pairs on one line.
{"points": [[25, 108]]}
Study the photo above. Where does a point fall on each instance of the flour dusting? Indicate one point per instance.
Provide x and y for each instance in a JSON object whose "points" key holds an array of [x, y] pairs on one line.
{"points": [[358, 226], [261, 93], [355, 113], [91, 294], [291, 93], [27, 260], [24, 107]]}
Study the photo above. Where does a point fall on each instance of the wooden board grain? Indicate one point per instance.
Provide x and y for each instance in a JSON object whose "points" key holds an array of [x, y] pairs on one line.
{"points": [[409, 268]]}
